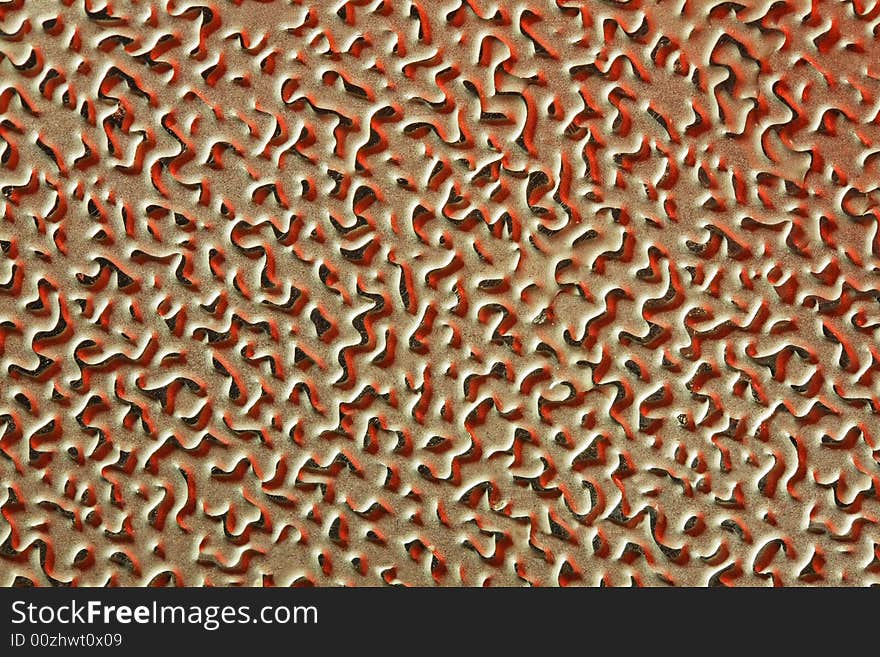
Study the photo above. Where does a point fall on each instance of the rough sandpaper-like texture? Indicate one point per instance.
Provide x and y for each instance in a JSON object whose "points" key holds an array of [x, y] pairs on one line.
{"points": [[454, 292]]}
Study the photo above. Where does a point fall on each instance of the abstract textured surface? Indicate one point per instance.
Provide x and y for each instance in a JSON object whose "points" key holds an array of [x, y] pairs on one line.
{"points": [[460, 293]]}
